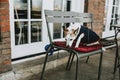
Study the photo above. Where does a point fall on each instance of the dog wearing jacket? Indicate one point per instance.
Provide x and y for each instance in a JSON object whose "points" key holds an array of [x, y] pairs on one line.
{"points": [[79, 34]]}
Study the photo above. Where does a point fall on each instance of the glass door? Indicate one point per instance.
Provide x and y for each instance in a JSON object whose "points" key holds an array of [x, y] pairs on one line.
{"points": [[27, 20], [59, 5], [26, 27], [65, 5], [112, 10]]}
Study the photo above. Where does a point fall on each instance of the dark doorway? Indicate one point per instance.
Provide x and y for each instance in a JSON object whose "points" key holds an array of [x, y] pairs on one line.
{"points": [[68, 9], [86, 6]]}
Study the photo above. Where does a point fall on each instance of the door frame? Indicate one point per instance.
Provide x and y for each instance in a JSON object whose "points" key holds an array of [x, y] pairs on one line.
{"points": [[30, 48], [107, 20]]}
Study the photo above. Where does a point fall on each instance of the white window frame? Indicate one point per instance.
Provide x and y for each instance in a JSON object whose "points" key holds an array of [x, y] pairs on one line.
{"points": [[29, 48], [108, 12]]}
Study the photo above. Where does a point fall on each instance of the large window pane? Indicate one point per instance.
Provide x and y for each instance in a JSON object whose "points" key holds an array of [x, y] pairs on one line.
{"points": [[56, 28], [58, 5], [57, 31], [114, 14], [20, 9], [21, 32], [35, 31], [36, 7]]}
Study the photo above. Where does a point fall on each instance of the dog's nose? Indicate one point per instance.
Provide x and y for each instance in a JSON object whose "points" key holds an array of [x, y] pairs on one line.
{"points": [[67, 45]]}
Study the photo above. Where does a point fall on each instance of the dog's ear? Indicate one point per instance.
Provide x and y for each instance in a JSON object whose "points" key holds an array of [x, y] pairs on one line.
{"points": [[65, 30], [64, 27]]}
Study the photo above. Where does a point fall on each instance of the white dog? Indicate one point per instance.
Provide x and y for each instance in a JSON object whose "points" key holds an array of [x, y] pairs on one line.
{"points": [[78, 33]]}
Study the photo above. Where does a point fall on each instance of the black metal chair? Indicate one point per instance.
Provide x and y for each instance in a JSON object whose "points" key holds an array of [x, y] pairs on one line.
{"points": [[70, 17]]}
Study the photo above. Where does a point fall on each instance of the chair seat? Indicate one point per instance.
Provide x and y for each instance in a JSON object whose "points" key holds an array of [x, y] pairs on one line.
{"points": [[81, 48]]}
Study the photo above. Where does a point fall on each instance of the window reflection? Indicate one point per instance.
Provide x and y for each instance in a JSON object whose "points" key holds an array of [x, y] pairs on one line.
{"points": [[36, 7], [57, 31], [59, 5], [25, 11], [114, 15], [21, 32], [20, 9], [35, 31], [57, 26]]}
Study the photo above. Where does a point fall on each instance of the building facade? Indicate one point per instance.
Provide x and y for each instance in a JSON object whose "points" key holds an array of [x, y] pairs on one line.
{"points": [[23, 31]]}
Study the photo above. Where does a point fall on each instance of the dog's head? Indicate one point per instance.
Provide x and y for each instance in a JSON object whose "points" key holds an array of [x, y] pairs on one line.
{"points": [[70, 34]]}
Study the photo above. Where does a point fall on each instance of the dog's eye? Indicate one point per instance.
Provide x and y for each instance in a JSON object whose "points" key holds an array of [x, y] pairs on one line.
{"points": [[71, 39]]}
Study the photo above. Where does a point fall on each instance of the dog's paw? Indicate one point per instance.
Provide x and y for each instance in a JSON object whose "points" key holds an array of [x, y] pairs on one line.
{"points": [[76, 46], [70, 45]]}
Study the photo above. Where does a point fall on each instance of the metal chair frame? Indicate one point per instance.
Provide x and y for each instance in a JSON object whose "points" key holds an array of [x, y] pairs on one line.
{"points": [[70, 17]]}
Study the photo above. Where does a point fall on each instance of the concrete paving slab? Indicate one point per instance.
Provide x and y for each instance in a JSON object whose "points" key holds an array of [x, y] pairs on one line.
{"points": [[87, 71]]}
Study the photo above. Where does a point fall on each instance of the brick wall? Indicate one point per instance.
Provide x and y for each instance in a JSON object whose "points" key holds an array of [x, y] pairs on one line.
{"points": [[5, 50], [97, 8]]}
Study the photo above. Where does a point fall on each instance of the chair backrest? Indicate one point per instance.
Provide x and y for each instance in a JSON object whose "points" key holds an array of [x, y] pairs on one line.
{"points": [[66, 17]]}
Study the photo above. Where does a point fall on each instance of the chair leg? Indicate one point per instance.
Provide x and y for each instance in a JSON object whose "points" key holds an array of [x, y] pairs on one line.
{"points": [[76, 74], [118, 66], [115, 64], [43, 70], [116, 57], [87, 59], [68, 63], [119, 73], [100, 66], [69, 67]]}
